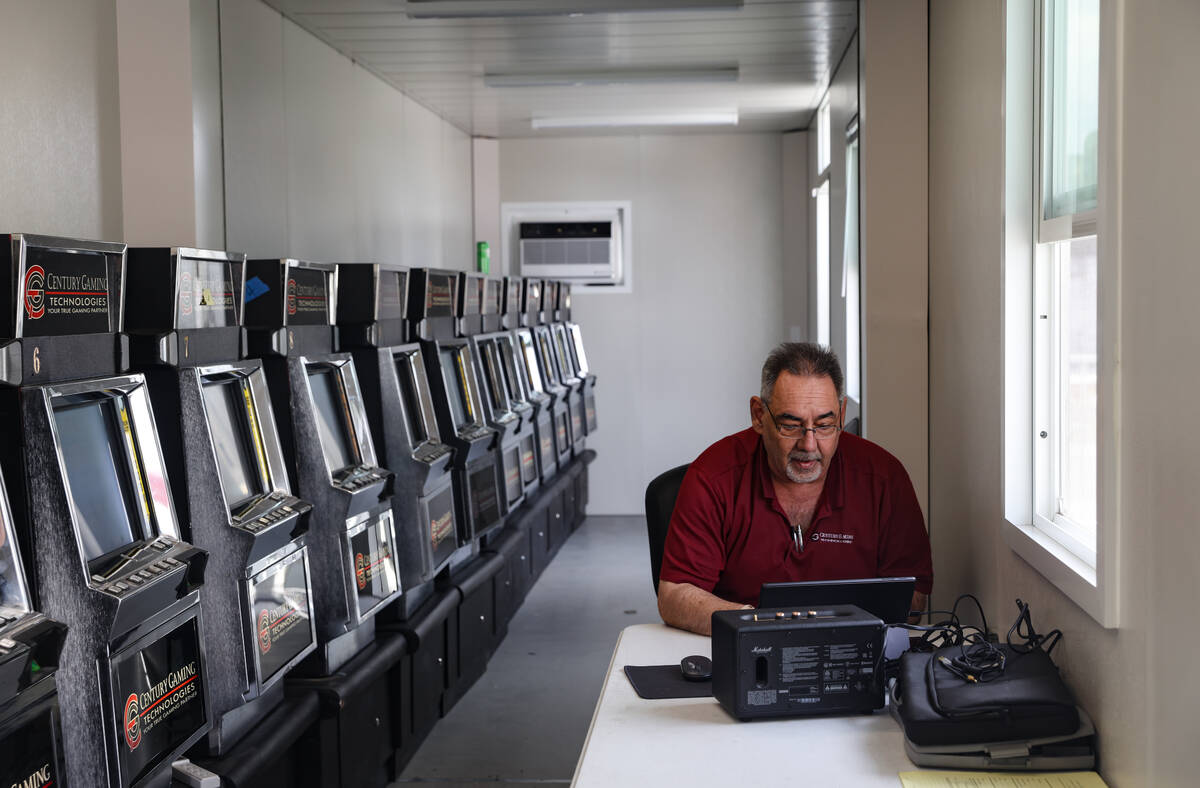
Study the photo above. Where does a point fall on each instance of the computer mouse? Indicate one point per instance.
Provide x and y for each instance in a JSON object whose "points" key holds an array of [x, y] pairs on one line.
{"points": [[696, 668]]}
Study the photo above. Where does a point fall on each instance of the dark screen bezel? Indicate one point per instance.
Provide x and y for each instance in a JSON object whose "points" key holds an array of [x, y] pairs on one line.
{"points": [[342, 404], [142, 525], [413, 405], [243, 434]]}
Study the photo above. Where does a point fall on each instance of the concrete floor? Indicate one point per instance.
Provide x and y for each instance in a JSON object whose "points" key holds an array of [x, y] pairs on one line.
{"points": [[523, 724]]}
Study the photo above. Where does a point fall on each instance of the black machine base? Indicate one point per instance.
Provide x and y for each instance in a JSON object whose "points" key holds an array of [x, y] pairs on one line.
{"points": [[356, 716], [333, 654], [280, 752]]}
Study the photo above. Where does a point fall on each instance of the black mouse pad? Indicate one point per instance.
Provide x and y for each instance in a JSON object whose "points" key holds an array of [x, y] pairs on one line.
{"points": [[658, 682]]}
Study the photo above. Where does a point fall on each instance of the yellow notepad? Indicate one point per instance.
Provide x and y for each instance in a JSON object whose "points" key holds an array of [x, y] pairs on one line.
{"points": [[936, 778]]}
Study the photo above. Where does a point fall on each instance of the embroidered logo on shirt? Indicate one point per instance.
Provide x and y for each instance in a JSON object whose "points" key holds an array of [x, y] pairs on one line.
{"points": [[825, 536]]}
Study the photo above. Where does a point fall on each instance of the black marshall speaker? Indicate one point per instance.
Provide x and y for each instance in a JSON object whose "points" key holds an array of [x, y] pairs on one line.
{"points": [[782, 663]]}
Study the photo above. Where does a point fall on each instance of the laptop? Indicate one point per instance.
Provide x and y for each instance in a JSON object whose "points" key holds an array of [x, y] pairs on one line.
{"points": [[887, 598]]}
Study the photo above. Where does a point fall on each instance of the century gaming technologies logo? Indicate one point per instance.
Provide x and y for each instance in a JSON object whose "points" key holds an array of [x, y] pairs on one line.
{"points": [[133, 722], [264, 631], [35, 292], [291, 296], [185, 293], [360, 571]]}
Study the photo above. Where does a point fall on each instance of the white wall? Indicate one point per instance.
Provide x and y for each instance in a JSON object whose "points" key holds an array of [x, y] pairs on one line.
{"points": [[207, 145], [678, 359], [797, 244], [60, 160], [324, 161], [485, 181], [893, 150], [154, 71], [1136, 681]]}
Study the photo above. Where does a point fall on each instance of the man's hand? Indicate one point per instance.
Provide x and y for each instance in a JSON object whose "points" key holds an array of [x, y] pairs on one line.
{"points": [[919, 603], [684, 606]]}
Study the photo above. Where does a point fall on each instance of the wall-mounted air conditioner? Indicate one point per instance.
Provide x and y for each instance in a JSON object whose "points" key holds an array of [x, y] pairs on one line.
{"points": [[586, 244]]}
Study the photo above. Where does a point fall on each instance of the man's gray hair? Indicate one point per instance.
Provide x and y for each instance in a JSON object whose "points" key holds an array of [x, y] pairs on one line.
{"points": [[800, 358]]}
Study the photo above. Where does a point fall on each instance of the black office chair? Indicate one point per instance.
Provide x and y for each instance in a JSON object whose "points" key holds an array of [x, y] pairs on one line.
{"points": [[660, 503], [853, 426]]}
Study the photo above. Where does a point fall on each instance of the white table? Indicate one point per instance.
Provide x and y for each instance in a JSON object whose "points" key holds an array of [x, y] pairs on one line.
{"points": [[693, 742]]}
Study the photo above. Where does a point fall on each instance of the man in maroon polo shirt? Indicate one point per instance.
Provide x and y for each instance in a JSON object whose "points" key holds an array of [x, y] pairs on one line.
{"points": [[791, 498]]}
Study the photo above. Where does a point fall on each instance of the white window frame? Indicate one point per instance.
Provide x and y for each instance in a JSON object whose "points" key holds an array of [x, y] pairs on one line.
{"points": [[824, 137], [851, 268], [1094, 585], [823, 242]]}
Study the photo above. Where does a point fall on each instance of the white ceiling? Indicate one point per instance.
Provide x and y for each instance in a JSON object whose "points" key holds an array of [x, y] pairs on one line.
{"points": [[770, 60]]}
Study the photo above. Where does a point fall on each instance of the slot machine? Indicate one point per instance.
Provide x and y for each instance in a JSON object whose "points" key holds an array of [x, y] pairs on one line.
{"points": [[290, 311], [552, 430], [559, 357], [572, 351], [514, 455], [227, 469], [30, 644], [106, 553], [371, 314], [437, 308]]}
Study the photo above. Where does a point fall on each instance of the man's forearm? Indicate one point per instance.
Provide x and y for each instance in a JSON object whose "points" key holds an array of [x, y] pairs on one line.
{"points": [[684, 606], [919, 603]]}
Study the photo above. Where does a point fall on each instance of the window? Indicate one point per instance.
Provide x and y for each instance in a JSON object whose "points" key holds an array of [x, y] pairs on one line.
{"points": [[850, 279], [1062, 521], [821, 195], [824, 157], [1064, 337]]}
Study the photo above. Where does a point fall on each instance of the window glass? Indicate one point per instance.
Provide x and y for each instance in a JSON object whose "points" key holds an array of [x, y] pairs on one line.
{"points": [[823, 132], [1070, 106], [1076, 341], [1065, 330], [850, 286], [822, 196]]}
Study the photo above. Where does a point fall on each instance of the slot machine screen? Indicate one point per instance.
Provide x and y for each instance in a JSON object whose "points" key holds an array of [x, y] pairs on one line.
{"points": [[577, 344], [13, 593], [547, 356], [94, 440], [227, 404], [412, 401], [455, 377], [564, 356], [493, 377], [332, 418], [532, 376], [508, 368], [281, 611]]}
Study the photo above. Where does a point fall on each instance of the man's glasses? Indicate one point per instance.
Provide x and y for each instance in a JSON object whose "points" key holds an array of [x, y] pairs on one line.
{"points": [[793, 430]]}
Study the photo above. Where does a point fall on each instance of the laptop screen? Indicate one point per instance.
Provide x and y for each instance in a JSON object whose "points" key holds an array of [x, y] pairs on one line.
{"points": [[887, 598]]}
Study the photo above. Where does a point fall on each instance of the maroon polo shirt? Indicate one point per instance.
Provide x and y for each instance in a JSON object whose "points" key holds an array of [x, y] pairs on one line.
{"points": [[729, 534]]}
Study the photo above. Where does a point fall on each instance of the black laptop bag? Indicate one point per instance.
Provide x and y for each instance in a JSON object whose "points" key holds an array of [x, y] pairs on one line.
{"points": [[1027, 701]]}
